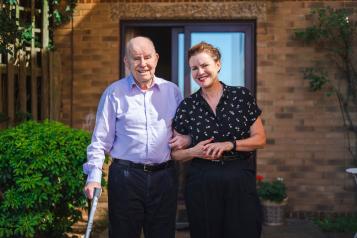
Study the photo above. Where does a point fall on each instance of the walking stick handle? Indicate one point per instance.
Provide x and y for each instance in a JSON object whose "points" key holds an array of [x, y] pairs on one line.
{"points": [[96, 195], [97, 192]]}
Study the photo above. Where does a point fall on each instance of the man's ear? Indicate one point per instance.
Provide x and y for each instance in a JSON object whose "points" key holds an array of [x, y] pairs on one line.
{"points": [[126, 61], [127, 68], [157, 57]]}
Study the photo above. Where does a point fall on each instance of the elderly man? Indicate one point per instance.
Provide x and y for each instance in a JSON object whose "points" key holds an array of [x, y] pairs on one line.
{"points": [[133, 125]]}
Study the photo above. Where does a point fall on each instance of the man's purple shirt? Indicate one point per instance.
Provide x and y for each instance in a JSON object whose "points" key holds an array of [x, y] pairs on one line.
{"points": [[132, 124]]}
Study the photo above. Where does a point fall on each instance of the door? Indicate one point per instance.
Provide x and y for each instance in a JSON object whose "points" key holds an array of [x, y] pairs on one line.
{"points": [[235, 40]]}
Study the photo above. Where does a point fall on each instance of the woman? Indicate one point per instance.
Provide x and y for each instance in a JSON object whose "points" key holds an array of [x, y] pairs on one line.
{"points": [[225, 126]]}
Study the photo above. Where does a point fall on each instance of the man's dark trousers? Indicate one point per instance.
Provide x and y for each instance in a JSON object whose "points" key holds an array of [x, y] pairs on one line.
{"points": [[141, 199]]}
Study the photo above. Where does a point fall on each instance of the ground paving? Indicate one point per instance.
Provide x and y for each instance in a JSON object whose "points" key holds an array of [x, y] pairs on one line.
{"points": [[294, 228]]}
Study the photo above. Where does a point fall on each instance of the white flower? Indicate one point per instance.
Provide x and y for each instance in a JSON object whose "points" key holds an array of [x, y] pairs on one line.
{"points": [[280, 179], [347, 20]]}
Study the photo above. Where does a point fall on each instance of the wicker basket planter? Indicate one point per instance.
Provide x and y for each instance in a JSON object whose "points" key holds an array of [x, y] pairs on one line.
{"points": [[274, 213]]}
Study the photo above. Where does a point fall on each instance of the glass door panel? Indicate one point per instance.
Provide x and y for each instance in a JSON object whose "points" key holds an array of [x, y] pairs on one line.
{"points": [[234, 44], [181, 61]]}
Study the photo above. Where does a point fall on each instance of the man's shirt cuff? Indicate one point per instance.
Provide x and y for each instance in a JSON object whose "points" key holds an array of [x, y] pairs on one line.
{"points": [[95, 176]]}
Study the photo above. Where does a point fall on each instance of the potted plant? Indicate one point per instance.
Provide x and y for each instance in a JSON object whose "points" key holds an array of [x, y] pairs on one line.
{"points": [[273, 198]]}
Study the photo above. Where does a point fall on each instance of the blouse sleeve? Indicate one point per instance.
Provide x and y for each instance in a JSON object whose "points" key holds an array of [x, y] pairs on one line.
{"points": [[252, 111], [181, 122]]}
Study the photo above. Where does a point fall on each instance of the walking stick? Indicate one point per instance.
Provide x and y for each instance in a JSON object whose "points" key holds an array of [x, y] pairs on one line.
{"points": [[96, 195]]}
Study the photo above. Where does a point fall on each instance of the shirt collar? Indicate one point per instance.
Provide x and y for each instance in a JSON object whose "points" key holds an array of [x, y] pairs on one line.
{"points": [[131, 82], [225, 93]]}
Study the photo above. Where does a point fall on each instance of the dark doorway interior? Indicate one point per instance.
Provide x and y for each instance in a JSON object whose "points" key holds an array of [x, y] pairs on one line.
{"points": [[161, 36]]}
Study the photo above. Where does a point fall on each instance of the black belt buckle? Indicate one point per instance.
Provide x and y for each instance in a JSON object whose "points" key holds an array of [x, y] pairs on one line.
{"points": [[147, 168], [155, 167]]}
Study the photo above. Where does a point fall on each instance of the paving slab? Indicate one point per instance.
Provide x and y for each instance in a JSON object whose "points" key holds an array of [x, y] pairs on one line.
{"points": [[294, 228]]}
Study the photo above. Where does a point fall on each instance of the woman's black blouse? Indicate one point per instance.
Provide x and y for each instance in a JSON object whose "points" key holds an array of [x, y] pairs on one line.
{"points": [[235, 113]]}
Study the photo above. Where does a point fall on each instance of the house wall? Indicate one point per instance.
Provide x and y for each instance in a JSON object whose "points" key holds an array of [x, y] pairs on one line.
{"points": [[306, 140]]}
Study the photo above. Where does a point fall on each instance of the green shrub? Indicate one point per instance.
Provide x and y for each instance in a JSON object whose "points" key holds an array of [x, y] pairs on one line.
{"points": [[41, 179], [338, 224]]}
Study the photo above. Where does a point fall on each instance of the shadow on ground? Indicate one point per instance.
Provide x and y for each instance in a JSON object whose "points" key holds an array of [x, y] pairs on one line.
{"points": [[294, 228]]}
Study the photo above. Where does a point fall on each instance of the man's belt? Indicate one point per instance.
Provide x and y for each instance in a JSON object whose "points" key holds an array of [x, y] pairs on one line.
{"points": [[144, 167]]}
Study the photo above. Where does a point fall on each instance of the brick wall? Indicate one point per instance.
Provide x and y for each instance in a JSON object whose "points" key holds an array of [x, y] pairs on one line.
{"points": [[307, 143], [306, 139]]}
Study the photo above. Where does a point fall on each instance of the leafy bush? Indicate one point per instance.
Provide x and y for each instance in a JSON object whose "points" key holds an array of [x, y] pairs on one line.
{"points": [[41, 179], [338, 224]]}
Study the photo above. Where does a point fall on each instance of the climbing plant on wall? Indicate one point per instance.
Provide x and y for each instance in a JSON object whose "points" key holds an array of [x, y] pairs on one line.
{"points": [[62, 10], [333, 31], [14, 36], [9, 31]]}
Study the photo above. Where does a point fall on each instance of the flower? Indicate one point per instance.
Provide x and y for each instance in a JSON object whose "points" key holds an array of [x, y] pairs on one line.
{"points": [[274, 191], [259, 178]]}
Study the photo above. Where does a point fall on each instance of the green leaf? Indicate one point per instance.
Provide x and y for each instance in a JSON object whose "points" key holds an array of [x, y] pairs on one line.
{"points": [[316, 77], [57, 17]]}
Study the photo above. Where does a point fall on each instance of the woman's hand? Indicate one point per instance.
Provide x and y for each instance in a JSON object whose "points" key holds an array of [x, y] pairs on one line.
{"points": [[200, 152], [216, 149], [197, 151]]}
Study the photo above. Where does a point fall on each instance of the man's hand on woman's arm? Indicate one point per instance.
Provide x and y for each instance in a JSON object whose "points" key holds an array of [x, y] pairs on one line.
{"points": [[179, 141]]}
